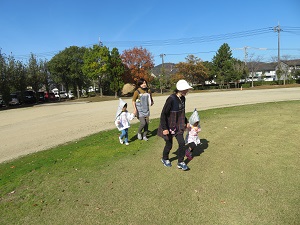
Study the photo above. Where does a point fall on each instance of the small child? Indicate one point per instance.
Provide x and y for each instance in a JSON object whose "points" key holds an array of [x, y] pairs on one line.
{"points": [[122, 121], [192, 138]]}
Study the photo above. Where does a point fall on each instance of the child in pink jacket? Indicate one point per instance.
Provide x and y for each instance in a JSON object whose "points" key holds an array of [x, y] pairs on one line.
{"points": [[192, 138]]}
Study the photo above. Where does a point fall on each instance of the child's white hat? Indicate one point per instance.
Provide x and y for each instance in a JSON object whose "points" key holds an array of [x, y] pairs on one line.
{"points": [[194, 117], [120, 107]]}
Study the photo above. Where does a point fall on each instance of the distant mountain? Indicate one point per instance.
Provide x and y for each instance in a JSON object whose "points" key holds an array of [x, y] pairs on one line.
{"points": [[168, 67]]}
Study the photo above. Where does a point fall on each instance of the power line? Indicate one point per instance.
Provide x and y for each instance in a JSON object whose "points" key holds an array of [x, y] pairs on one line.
{"points": [[179, 41], [192, 40]]}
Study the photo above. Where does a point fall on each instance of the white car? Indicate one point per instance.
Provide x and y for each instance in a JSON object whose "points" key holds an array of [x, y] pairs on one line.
{"points": [[56, 93], [63, 95], [71, 95]]}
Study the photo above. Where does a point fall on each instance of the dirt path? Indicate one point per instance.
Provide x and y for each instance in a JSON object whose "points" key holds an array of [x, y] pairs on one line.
{"points": [[32, 129]]}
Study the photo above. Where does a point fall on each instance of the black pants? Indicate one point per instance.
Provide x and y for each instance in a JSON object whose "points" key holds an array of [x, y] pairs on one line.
{"points": [[169, 145], [192, 145]]}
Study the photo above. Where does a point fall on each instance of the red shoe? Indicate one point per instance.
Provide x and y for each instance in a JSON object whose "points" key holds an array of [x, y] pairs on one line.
{"points": [[188, 154]]}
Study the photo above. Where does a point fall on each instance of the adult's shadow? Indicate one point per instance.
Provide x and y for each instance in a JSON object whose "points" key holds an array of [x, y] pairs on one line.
{"points": [[149, 135], [198, 150]]}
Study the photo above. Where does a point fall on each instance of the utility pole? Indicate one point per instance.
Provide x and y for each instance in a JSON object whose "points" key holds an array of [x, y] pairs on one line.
{"points": [[162, 58], [278, 29], [246, 59], [246, 52], [99, 77], [162, 71], [100, 43]]}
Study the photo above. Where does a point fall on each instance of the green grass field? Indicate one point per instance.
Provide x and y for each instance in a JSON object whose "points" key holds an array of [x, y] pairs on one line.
{"points": [[245, 172]]}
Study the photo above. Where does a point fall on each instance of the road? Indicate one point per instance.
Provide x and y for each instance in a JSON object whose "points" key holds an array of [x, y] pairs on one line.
{"points": [[31, 129]]}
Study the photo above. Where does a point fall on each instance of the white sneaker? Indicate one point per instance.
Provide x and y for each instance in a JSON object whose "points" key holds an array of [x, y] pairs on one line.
{"points": [[126, 143], [139, 136], [145, 138], [182, 166], [166, 162], [121, 141]]}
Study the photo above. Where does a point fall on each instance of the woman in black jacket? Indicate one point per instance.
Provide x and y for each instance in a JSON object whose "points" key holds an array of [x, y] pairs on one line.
{"points": [[173, 123]]}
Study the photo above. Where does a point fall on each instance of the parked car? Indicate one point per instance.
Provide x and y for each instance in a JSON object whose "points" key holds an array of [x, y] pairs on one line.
{"points": [[2, 103], [15, 99], [29, 97], [51, 97], [56, 93], [43, 96], [63, 95], [71, 95]]}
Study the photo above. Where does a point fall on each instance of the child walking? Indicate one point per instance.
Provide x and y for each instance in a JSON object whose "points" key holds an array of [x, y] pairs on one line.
{"points": [[122, 121], [192, 139]]}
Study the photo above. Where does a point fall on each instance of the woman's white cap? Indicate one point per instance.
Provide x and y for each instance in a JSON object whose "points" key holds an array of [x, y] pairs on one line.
{"points": [[182, 85]]}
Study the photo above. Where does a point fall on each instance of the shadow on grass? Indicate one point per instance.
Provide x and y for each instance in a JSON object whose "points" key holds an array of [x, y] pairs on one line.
{"points": [[149, 135], [198, 150]]}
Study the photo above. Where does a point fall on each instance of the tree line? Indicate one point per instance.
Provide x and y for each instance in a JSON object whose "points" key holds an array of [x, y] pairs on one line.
{"points": [[76, 68]]}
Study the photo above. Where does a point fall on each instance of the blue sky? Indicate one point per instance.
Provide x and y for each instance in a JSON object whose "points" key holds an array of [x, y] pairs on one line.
{"points": [[173, 28]]}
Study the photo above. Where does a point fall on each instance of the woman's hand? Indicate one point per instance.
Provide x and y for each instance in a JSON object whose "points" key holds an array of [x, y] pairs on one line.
{"points": [[165, 132]]}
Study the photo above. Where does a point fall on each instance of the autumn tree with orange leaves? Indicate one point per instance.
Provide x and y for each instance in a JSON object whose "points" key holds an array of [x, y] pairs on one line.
{"points": [[193, 70], [138, 63]]}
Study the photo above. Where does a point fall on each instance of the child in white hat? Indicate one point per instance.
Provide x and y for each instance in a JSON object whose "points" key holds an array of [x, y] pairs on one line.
{"points": [[122, 121], [192, 138]]}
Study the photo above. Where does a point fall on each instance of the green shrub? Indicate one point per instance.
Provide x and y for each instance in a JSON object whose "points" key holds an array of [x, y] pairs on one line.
{"points": [[92, 94]]}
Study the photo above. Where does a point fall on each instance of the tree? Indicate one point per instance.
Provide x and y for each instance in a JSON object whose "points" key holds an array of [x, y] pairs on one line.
{"points": [[222, 64], [10, 74], [253, 65], [176, 77], [35, 79], [240, 70], [116, 71], [210, 71], [164, 73], [76, 64], [193, 70], [96, 64], [286, 74], [45, 75], [21, 76], [66, 67], [4, 82], [59, 68], [138, 62]]}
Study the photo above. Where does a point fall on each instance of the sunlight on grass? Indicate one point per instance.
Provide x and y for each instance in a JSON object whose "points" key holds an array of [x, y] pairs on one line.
{"points": [[245, 172]]}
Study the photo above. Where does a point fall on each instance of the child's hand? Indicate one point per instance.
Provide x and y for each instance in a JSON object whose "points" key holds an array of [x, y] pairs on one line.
{"points": [[131, 116], [197, 129]]}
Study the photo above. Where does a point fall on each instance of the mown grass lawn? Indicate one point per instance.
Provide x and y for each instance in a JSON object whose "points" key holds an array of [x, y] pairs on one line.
{"points": [[245, 172]]}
